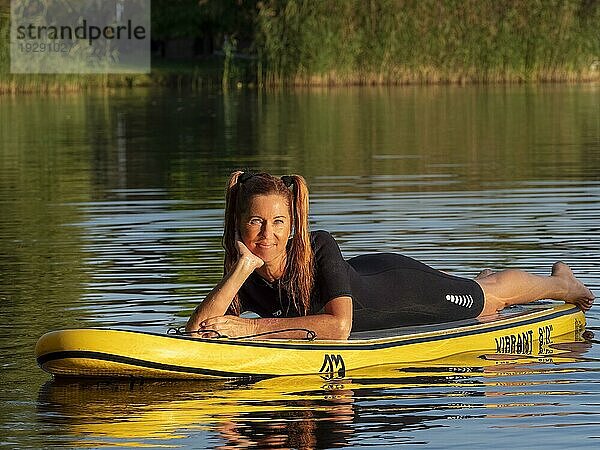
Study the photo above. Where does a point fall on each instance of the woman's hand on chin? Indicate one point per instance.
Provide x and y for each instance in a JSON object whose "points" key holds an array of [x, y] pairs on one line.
{"points": [[246, 257], [231, 326]]}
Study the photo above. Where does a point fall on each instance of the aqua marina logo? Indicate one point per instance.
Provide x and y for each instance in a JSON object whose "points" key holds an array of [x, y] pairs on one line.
{"points": [[86, 36], [333, 367]]}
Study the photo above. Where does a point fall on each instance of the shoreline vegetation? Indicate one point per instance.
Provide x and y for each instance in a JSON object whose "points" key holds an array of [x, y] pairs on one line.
{"points": [[353, 42]]}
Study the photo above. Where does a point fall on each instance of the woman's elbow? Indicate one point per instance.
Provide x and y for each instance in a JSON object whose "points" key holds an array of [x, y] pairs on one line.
{"points": [[347, 328], [339, 324], [192, 325], [342, 330]]}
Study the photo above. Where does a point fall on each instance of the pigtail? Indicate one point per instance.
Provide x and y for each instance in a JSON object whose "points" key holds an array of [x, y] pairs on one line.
{"points": [[230, 230], [300, 270]]}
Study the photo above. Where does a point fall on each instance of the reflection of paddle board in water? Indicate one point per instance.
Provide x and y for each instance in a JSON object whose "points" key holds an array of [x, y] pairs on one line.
{"points": [[524, 331], [294, 409]]}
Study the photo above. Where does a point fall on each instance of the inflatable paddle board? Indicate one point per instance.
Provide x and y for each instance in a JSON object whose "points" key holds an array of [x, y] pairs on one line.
{"points": [[95, 352]]}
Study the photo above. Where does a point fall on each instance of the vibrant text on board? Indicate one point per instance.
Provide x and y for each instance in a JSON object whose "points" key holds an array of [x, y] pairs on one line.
{"points": [[522, 343]]}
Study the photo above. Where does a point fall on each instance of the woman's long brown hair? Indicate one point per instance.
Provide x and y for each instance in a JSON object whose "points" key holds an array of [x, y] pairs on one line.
{"points": [[298, 279]]}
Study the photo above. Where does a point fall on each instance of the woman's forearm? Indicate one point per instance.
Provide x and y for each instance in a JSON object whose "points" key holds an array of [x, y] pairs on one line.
{"points": [[219, 299], [334, 323], [326, 326]]}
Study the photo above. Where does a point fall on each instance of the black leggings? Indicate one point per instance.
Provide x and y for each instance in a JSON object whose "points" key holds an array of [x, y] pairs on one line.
{"points": [[392, 290]]}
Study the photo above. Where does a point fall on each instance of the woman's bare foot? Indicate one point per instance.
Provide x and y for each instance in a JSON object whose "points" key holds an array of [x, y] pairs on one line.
{"points": [[575, 291], [484, 273]]}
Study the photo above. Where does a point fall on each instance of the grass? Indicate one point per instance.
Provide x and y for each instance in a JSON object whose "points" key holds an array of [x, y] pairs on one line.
{"points": [[198, 74]]}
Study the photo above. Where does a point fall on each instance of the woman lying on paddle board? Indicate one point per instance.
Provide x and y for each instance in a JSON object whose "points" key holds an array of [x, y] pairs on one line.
{"points": [[295, 279]]}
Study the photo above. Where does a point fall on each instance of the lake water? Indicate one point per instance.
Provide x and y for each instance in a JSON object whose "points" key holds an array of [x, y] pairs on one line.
{"points": [[111, 213]]}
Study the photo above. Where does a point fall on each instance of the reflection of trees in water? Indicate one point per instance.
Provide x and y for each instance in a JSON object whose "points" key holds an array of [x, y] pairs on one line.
{"points": [[474, 134], [188, 142], [40, 175]]}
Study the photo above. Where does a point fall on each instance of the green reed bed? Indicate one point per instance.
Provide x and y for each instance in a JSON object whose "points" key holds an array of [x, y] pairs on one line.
{"points": [[340, 42], [427, 41]]}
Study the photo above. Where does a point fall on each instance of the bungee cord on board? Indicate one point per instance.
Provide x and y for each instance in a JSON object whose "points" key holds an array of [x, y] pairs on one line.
{"points": [[180, 331]]}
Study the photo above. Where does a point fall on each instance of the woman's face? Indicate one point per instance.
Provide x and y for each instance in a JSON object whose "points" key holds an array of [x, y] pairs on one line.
{"points": [[266, 227]]}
